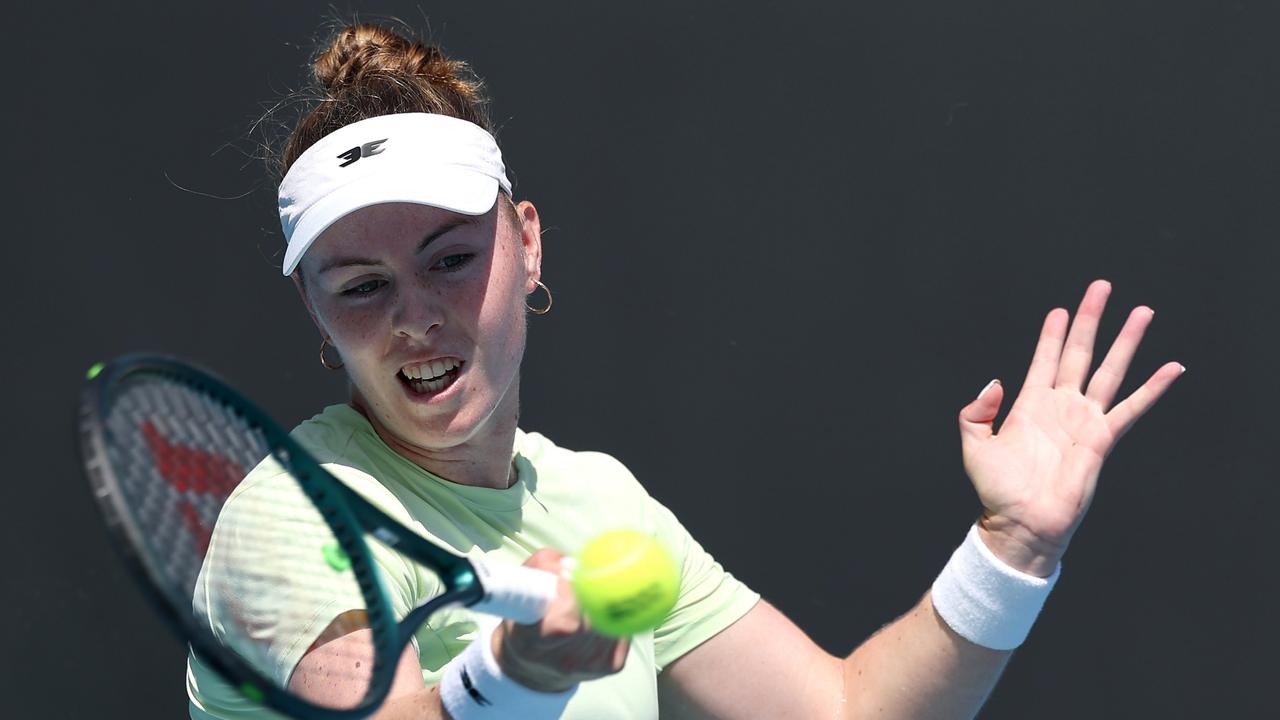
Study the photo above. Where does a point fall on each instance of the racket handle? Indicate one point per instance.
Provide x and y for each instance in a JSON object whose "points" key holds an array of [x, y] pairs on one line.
{"points": [[514, 592]]}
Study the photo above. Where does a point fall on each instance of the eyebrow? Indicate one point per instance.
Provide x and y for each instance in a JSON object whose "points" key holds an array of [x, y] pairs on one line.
{"points": [[348, 261]]}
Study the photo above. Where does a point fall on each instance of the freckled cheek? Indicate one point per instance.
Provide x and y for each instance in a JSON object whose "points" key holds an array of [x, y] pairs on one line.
{"points": [[354, 329], [502, 322], [469, 299]]}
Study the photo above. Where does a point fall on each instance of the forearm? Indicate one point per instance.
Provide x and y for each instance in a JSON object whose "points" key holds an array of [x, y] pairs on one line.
{"points": [[420, 705], [918, 667], [325, 676]]}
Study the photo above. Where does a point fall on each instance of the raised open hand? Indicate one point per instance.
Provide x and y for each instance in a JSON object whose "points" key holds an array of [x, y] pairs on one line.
{"points": [[1037, 475]]}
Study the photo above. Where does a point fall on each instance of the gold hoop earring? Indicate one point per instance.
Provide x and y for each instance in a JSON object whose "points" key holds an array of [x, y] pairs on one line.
{"points": [[541, 310], [324, 344]]}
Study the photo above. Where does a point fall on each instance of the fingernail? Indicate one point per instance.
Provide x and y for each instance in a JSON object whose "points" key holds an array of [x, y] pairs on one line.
{"points": [[990, 385], [1184, 367]]}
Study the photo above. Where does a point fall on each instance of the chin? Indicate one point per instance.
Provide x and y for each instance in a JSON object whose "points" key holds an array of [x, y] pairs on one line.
{"points": [[438, 420], [442, 427]]}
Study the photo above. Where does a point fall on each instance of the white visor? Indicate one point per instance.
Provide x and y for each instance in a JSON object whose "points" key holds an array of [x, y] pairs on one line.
{"points": [[418, 158]]}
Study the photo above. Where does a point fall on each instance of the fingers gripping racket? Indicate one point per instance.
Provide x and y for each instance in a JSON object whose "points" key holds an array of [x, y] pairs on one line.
{"points": [[271, 564]]}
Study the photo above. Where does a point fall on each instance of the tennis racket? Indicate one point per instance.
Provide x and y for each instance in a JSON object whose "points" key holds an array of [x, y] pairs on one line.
{"points": [[272, 563]]}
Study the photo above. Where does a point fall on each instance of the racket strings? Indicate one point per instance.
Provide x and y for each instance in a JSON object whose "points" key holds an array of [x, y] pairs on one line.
{"points": [[263, 576], [178, 455]]}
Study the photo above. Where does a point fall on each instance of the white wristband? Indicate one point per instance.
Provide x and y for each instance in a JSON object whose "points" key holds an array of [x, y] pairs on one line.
{"points": [[986, 601], [473, 687]]}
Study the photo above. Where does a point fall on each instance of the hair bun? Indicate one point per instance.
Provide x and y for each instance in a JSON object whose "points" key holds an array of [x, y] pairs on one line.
{"points": [[370, 56], [369, 70]]}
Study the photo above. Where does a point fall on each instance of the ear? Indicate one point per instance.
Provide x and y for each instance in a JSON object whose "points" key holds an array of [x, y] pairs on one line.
{"points": [[531, 241], [296, 277]]}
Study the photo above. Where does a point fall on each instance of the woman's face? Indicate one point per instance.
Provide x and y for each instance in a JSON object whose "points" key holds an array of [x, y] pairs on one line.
{"points": [[426, 309]]}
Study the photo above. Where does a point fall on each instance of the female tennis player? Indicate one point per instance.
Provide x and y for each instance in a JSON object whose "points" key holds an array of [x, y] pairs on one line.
{"points": [[419, 269]]}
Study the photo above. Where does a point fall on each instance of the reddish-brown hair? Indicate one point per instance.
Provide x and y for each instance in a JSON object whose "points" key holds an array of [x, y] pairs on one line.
{"points": [[368, 70]]}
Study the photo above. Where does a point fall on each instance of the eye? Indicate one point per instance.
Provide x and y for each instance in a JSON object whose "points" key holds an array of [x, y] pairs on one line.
{"points": [[454, 262], [364, 289]]}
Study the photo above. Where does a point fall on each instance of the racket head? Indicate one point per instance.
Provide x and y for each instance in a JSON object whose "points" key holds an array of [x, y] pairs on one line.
{"points": [[164, 444]]}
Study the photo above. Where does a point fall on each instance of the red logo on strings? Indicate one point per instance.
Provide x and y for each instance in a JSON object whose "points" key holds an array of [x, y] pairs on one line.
{"points": [[189, 469]]}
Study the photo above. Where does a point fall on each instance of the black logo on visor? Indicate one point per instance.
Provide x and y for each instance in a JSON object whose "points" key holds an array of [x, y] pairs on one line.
{"points": [[359, 151]]}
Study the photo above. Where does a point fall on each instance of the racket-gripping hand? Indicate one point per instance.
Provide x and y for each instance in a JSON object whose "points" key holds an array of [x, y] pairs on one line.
{"points": [[561, 650]]}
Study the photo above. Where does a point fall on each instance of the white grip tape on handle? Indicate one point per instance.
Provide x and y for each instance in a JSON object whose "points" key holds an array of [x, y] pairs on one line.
{"points": [[514, 592]]}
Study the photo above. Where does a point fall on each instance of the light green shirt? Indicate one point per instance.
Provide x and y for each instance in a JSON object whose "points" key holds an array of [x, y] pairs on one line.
{"points": [[283, 599]]}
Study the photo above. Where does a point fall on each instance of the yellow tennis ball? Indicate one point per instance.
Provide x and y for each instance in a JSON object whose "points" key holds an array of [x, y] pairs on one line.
{"points": [[625, 582]]}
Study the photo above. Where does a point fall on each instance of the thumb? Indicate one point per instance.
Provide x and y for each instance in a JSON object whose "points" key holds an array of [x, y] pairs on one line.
{"points": [[977, 417]]}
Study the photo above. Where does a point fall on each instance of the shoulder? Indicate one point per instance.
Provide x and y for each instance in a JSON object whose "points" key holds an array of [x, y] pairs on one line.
{"points": [[583, 469], [597, 490], [334, 439], [330, 434]]}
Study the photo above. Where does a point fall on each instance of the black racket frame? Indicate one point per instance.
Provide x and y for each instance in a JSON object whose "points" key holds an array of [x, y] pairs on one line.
{"points": [[348, 514]]}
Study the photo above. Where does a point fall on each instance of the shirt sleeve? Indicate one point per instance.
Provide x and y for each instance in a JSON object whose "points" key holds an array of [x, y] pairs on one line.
{"points": [[274, 575], [710, 600]]}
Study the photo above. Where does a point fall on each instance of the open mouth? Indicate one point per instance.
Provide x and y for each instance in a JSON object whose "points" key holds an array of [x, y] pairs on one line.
{"points": [[430, 377]]}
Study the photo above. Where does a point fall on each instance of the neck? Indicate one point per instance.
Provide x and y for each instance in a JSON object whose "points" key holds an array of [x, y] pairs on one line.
{"points": [[483, 460]]}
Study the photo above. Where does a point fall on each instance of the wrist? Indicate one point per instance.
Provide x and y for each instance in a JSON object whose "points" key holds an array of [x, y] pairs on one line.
{"points": [[986, 601], [528, 674], [1019, 548], [475, 687]]}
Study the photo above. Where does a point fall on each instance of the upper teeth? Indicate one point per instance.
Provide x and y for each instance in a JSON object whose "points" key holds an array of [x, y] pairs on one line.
{"points": [[430, 370]]}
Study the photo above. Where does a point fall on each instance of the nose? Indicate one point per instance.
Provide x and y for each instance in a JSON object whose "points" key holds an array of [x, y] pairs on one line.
{"points": [[418, 311]]}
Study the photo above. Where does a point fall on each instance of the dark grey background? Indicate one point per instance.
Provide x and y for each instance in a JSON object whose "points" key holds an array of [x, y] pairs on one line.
{"points": [[787, 243]]}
